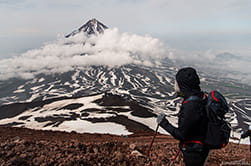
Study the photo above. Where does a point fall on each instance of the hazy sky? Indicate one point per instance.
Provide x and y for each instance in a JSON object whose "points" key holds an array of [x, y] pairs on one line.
{"points": [[184, 24]]}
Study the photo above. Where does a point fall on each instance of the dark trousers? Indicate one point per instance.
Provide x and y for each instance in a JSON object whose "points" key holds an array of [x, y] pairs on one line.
{"points": [[195, 157]]}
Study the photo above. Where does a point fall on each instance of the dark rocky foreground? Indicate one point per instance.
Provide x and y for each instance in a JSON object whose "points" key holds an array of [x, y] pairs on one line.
{"points": [[19, 146]]}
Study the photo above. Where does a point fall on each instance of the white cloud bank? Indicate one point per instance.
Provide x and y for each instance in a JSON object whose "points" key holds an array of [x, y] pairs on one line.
{"points": [[112, 48]]}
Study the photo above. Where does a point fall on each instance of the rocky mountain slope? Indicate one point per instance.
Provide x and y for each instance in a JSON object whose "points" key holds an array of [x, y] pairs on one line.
{"points": [[21, 146]]}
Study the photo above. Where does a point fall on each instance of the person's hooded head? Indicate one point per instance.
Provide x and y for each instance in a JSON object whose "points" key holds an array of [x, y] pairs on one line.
{"points": [[187, 82]]}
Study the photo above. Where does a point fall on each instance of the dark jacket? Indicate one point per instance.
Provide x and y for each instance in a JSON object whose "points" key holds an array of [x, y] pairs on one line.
{"points": [[192, 120]]}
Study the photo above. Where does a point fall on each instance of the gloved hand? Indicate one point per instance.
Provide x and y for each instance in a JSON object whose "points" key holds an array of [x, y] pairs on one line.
{"points": [[246, 134], [160, 118]]}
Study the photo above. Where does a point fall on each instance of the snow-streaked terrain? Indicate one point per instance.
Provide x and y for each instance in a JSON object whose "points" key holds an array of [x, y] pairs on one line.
{"points": [[78, 115], [101, 113]]}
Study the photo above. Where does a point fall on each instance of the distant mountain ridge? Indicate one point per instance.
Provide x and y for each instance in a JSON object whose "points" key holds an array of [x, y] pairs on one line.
{"points": [[226, 56], [93, 26]]}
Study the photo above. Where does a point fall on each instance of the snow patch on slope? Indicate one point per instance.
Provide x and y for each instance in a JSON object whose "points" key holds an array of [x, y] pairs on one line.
{"points": [[82, 126]]}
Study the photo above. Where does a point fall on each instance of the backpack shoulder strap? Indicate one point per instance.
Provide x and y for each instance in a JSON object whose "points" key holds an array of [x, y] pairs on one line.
{"points": [[192, 98]]}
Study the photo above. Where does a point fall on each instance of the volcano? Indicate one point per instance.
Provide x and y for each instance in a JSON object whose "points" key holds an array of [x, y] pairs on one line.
{"points": [[92, 27]]}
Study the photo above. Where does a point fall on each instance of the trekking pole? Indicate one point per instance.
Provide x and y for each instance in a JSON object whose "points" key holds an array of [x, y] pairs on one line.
{"points": [[150, 147], [175, 157], [247, 134], [240, 138]]}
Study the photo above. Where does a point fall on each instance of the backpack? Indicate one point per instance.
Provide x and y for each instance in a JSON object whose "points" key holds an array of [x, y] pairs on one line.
{"points": [[218, 129]]}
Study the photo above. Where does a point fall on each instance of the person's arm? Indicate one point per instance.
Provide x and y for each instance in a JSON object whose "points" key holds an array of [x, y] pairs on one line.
{"points": [[188, 118]]}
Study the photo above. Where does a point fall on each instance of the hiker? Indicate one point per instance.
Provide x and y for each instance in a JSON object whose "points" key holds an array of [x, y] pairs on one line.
{"points": [[192, 119]]}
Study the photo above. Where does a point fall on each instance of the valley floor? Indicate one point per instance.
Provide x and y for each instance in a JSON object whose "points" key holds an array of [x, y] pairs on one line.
{"points": [[20, 146]]}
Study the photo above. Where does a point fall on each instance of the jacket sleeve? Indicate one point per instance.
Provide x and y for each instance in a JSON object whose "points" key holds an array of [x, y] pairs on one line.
{"points": [[188, 118]]}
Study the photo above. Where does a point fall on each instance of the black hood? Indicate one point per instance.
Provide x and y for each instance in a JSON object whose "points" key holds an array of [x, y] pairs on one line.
{"points": [[188, 81]]}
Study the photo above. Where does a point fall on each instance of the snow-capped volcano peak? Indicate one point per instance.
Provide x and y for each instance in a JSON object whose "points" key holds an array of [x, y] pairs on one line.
{"points": [[93, 26]]}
